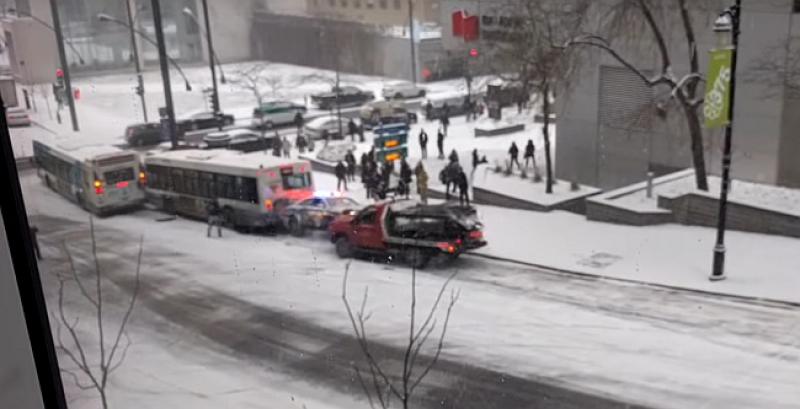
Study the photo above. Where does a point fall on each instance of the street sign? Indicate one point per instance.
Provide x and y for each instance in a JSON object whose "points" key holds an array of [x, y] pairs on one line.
{"points": [[716, 107], [391, 142]]}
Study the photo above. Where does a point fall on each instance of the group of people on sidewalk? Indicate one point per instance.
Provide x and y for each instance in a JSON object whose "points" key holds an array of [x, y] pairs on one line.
{"points": [[529, 155], [377, 178]]}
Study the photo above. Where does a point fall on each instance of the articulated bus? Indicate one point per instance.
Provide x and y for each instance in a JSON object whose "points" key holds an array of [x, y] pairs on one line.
{"points": [[101, 179], [251, 189]]}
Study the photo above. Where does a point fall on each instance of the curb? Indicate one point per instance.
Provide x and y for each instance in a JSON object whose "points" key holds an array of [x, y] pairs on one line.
{"points": [[39, 124], [770, 302]]}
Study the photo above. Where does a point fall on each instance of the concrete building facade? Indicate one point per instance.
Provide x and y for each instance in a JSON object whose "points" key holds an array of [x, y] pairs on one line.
{"points": [[610, 134], [375, 12]]}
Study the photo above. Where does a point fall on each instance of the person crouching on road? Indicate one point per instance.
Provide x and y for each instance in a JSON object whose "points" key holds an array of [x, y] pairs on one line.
{"points": [[214, 219]]}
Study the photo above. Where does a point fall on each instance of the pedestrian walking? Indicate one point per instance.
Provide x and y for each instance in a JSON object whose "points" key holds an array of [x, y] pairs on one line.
{"points": [[361, 133], [405, 178], [530, 153], [214, 219], [371, 155], [301, 143], [287, 147], [453, 156], [428, 110], [463, 188], [363, 163], [35, 239], [513, 152], [440, 143], [276, 145], [350, 160], [445, 119], [422, 182], [352, 129], [341, 176], [423, 143]]}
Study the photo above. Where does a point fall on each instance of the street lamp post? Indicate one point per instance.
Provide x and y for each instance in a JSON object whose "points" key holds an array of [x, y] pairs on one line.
{"points": [[106, 17], [187, 11], [162, 59], [62, 55], [209, 42], [727, 24], [411, 36], [135, 50]]}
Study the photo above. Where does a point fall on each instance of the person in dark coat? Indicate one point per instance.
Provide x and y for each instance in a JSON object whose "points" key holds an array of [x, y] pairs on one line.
{"points": [[341, 176], [463, 188], [453, 156], [34, 238], [445, 118], [301, 143], [363, 163], [513, 152], [277, 145], [367, 177], [405, 178], [350, 160], [214, 218], [371, 154], [530, 153], [423, 143], [440, 143], [352, 129], [428, 110]]}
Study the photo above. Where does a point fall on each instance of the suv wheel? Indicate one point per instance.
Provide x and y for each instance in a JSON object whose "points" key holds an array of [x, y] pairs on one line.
{"points": [[344, 249], [295, 228]]}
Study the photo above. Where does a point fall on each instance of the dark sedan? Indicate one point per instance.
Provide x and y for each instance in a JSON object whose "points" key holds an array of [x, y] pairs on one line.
{"points": [[204, 120], [347, 97]]}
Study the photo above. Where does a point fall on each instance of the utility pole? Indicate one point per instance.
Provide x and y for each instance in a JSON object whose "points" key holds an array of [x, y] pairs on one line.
{"points": [[162, 59], [718, 273], [62, 55], [411, 39], [135, 50], [215, 107]]}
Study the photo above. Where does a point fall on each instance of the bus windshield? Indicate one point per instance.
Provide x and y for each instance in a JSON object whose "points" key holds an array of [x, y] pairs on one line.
{"points": [[296, 181], [119, 175]]}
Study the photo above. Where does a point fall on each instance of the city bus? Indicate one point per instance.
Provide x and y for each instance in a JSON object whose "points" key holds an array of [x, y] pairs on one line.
{"points": [[99, 178], [251, 189]]}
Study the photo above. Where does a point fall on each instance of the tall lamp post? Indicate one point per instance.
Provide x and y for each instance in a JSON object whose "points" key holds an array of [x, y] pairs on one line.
{"points": [[727, 27], [162, 59], [187, 11], [135, 50], [215, 99], [411, 37]]}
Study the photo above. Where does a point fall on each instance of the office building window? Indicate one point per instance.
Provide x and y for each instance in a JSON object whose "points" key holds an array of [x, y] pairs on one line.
{"points": [[796, 6], [397, 4], [332, 3], [343, 3], [357, 4], [383, 4]]}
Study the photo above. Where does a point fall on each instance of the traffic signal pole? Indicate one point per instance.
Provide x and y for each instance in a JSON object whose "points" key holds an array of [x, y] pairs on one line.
{"points": [[62, 55], [162, 59], [215, 101], [135, 49]]}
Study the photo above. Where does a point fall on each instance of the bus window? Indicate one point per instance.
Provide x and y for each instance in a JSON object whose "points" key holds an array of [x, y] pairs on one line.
{"points": [[296, 181], [120, 175]]}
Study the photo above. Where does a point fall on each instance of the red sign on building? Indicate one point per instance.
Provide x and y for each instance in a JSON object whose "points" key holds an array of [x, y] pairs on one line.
{"points": [[466, 26]]}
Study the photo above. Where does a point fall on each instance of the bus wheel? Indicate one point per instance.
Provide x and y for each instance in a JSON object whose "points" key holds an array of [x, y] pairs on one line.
{"points": [[228, 217], [417, 258], [296, 228], [168, 205], [344, 249]]}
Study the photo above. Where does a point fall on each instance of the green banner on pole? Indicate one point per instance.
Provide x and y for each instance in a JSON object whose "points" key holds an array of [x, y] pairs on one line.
{"points": [[718, 89]]}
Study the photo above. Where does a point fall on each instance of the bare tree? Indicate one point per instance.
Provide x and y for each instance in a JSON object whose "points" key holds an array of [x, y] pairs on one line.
{"points": [[624, 20], [531, 55], [381, 386], [257, 80], [93, 372]]}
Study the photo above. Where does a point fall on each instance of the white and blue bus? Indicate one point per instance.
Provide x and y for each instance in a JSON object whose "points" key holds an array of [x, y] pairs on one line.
{"points": [[251, 189], [101, 179]]}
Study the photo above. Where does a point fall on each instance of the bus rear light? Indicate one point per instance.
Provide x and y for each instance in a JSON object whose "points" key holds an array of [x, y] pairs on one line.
{"points": [[98, 187], [142, 178], [268, 205]]}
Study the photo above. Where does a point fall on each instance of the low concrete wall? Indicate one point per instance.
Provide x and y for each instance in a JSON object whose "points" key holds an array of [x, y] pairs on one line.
{"points": [[487, 197], [499, 131], [603, 212], [699, 210]]}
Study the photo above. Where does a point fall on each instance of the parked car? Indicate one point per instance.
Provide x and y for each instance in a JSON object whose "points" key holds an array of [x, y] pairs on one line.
{"points": [[204, 120], [324, 127], [273, 113], [348, 96], [17, 116], [236, 139], [376, 112], [402, 89], [455, 106], [144, 134], [410, 231], [316, 213]]}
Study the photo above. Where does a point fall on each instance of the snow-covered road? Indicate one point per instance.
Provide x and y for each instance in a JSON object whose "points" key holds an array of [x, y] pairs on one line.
{"points": [[667, 349]]}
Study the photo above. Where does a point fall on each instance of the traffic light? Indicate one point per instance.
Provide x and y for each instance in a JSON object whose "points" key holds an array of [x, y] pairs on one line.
{"points": [[473, 52]]}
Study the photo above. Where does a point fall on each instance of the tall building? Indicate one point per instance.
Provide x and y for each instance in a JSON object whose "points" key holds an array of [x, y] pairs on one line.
{"points": [[377, 12]]}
